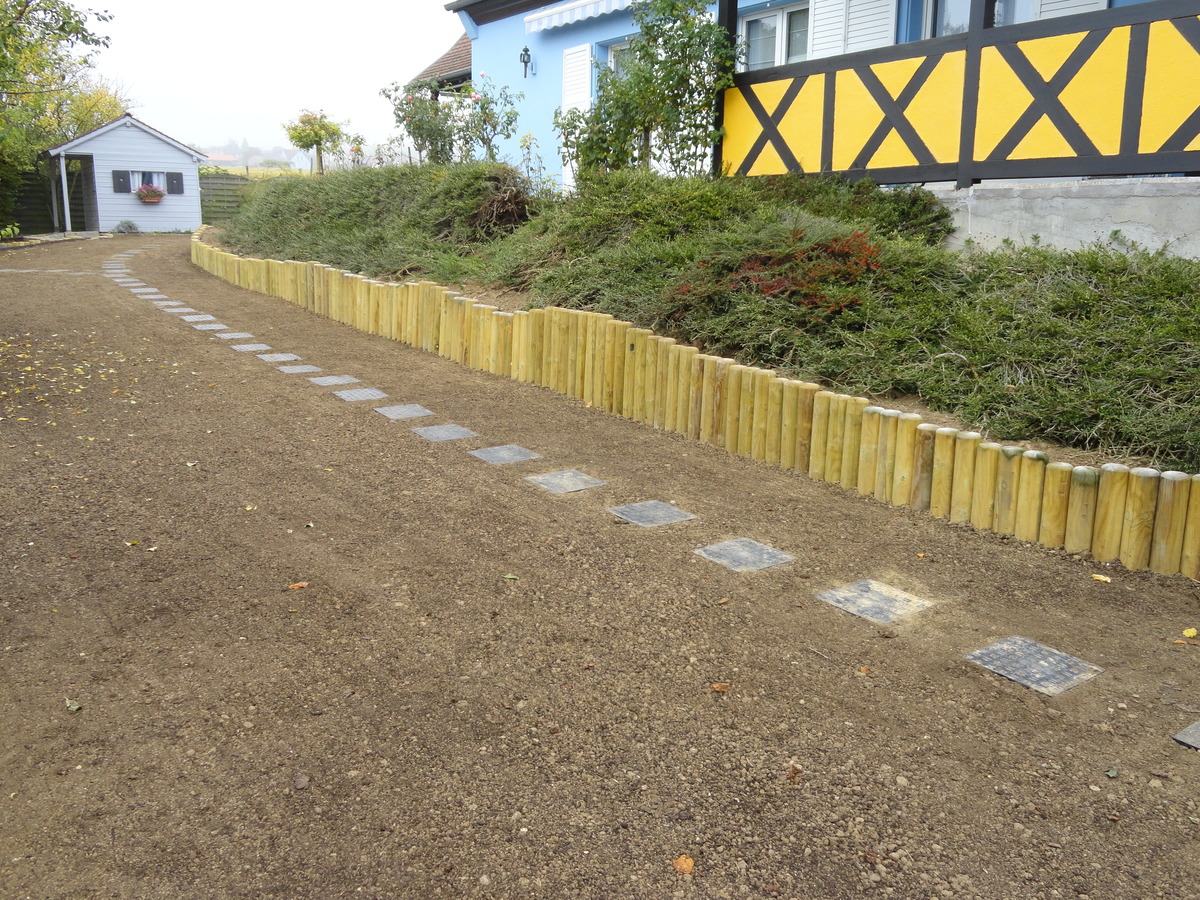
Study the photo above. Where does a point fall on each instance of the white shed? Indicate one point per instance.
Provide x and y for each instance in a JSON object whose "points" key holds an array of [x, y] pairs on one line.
{"points": [[118, 159]]}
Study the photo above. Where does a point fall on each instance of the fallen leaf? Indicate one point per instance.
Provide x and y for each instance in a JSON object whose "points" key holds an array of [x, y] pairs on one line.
{"points": [[1189, 632], [511, 577], [865, 670], [1111, 773], [794, 772], [1103, 578], [920, 556], [73, 705], [298, 586], [683, 865], [722, 600], [719, 687]]}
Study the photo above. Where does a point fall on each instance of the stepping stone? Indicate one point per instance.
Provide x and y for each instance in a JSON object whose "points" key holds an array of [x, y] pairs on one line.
{"points": [[163, 303], [129, 282], [199, 317], [1190, 736], [438, 433], [565, 482], [354, 394], [650, 513], [210, 326], [277, 357], [873, 600], [297, 370], [1034, 665], [404, 411], [509, 453], [178, 309], [744, 555], [328, 380], [154, 296], [144, 290], [229, 335], [246, 348]]}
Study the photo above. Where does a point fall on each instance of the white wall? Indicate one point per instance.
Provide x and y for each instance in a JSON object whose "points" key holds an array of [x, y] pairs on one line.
{"points": [[131, 148]]}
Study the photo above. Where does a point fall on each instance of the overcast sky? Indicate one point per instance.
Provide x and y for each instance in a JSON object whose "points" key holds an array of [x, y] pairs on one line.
{"points": [[205, 74]]}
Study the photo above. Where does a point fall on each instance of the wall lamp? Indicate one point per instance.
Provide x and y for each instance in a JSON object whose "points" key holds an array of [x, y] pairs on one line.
{"points": [[526, 62]]}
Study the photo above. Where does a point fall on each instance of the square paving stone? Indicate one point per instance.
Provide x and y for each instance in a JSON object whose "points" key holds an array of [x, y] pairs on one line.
{"points": [[404, 411], [209, 326], [246, 348], [1034, 665], [565, 482], [234, 334], [164, 303], [144, 290], [329, 380], [296, 370], [1190, 736], [198, 317], [355, 394], [154, 296], [438, 433], [744, 555], [178, 309], [873, 600], [509, 453], [277, 357], [650, 513]]}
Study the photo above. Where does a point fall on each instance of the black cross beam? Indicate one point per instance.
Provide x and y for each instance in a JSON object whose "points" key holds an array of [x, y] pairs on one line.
{"points": [[770, 123], [894, 114]]}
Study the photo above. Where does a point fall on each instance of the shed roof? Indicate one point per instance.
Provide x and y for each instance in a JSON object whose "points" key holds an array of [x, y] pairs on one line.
{"points": [[127, 119]]}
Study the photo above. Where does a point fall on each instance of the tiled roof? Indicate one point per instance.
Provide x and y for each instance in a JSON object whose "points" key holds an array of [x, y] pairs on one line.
{"points": [[453, 65]]}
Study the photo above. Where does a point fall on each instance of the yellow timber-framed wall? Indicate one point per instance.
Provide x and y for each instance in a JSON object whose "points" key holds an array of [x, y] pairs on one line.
{"points": [[1141, 517], [1115, 92]]}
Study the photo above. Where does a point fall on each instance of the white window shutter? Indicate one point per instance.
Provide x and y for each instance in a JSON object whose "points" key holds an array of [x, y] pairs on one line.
{"points": [[577, 77]]}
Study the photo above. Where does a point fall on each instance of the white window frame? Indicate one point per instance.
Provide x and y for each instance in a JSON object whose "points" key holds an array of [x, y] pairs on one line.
{"points": [[780, 14]]}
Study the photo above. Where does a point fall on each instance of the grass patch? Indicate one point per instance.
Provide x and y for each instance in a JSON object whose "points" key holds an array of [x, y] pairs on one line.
{"points": [[846, 284]]}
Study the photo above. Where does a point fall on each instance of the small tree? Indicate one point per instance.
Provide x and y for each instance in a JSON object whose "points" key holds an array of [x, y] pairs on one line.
{"points": [[486, 113], [314, 131], [425, 118], [660, 105], [445, 123]]}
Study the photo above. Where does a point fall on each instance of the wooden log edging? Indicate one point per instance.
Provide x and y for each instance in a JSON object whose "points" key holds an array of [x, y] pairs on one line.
{"points": [[1141, 517]]}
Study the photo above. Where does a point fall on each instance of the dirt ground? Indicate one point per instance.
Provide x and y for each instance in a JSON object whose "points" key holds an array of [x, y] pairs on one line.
{"points": [[486, 690]]}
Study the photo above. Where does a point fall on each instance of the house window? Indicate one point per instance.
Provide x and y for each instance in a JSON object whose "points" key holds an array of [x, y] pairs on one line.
{"points": [[776, 37], [615, 52], [917, 20]]}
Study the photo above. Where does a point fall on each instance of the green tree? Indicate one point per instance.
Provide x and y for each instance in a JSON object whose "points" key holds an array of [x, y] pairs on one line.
{"points": [[445, 123], [486, 114], [659, 105], [315, 131], [427, 120], [40, 68]]}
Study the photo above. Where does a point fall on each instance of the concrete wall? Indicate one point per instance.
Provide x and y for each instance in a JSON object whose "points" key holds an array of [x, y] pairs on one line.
{"points": [[1153, 212]]}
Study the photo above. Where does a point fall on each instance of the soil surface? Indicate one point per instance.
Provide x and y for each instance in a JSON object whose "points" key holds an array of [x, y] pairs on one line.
{"points": [[258, 641]]}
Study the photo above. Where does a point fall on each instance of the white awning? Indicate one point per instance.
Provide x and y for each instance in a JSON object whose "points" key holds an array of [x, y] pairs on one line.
{"points": [[576, 11]]}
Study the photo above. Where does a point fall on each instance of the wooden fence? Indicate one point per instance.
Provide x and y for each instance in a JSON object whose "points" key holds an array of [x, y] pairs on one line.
{"points": [[221, 197], [1140, 517]]}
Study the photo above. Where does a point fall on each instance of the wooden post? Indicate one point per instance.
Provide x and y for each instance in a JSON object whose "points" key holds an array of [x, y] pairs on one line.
{"points": [[1110, 511], [1029, 495], [966, 445], [691, 400], [852, 441], [885, 455], [1189, 558], [775, 421], [921, 495], [868, 450], [537, 345], [1008, 484], [1081, 509], [1166, 549], [983, 497], [732, 398], [663, 397], [762, 397], [614, 365], [646, 411], [1056, 493], [668, 412], [804, 410], [746, 412], [819, 440], [712, 413], [906, 447], [836, 438], [787, 423], [1137, 525]]}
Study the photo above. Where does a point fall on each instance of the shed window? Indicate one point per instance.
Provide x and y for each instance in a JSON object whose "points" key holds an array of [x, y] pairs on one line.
{"points": [[127, 182]]}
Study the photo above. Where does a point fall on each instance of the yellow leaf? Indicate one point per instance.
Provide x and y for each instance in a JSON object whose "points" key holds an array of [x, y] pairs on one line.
{"points": [[299, 585], [1189, 632], [719, 687], [683, 865], [1103, 578]]}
